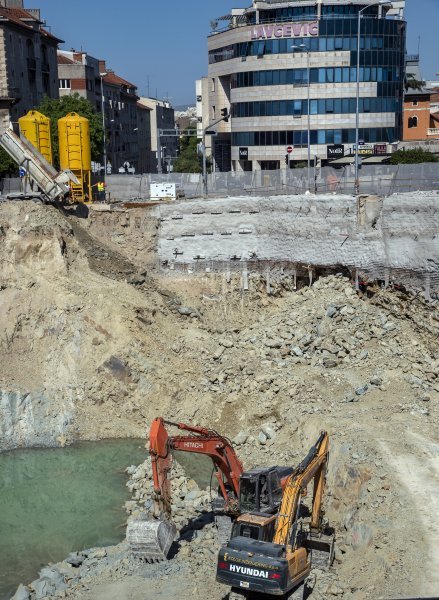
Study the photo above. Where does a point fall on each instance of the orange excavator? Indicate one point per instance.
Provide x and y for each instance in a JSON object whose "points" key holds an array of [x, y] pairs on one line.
{"points": [[257, 490]]}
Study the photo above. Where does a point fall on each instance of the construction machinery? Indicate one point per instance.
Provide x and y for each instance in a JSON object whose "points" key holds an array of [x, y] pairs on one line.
{"points": [[257, 490], [51, 184], [271, 555]]}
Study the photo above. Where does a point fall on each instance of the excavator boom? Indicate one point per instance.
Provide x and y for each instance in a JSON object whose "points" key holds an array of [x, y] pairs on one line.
{"points": [[312, 467], [151, 539]]}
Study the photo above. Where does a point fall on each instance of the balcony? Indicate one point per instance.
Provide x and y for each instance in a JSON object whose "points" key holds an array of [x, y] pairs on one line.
{"points": [[434, 131]]}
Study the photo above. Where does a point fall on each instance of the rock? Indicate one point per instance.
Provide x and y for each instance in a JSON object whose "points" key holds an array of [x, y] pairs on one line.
{"points": [[217, 355], [136, 279], [360, 391], [363, 354], [75, 559], [330, 363], [22, 593], [241, 438], [376, 380], [41, 588], [273, 343], [425, 398], [361, 535], [186, 311], [331, 311], [262, 438], [268, 430], [296, 351], [227, 343], [99, 553]]}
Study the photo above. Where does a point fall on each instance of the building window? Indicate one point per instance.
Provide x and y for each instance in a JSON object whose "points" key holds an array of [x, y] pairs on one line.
{"points": [[213, 84], [413, 122], [64, 84], [415, 103]]}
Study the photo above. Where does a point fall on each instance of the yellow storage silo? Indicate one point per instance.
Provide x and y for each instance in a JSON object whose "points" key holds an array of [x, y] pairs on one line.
{"points": [[36, 128], [75, 153]]}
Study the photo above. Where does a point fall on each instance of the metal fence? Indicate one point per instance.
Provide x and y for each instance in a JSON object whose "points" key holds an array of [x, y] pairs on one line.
{"points": [[382, 180]]}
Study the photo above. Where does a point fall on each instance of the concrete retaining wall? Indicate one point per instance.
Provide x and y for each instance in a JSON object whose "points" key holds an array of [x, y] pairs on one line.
{"points": [[398, 235]]}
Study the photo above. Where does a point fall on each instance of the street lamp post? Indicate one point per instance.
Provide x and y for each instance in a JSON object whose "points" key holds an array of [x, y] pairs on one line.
{"points": [[357, 109], [102, 75], [305, 48], [224, 117]]}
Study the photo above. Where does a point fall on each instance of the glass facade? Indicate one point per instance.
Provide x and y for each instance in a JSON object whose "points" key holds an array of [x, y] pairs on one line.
{"points": [[322, 75], [317, 136], [297, 108], [381, 60], [334, 34]]}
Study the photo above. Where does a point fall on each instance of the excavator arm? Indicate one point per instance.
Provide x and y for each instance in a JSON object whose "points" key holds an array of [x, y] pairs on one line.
{"points": [[313, 467], [151, 540], [227, 465]]}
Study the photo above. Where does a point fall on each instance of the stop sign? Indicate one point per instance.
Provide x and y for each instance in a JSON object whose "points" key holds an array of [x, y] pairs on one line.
{"points": [[289, 149]]}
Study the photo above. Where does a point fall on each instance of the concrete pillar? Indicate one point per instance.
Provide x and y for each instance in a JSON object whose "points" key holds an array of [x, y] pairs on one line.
{"points": [[245, 277]]}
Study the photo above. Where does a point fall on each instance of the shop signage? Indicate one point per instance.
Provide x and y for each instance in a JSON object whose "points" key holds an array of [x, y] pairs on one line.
{"points": [[364, 149], [243, 154], [292, 30], [335, 151], [380, 149]]}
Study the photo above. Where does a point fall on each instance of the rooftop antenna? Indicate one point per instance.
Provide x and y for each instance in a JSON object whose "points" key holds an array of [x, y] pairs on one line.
{"points": [[148, 85]]}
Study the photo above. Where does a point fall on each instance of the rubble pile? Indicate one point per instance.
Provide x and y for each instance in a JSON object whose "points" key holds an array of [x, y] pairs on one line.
{"points": [[188, 500]]}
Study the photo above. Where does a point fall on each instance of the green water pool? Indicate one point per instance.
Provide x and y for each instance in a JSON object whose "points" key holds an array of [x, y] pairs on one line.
{"points": [[55, 501]]}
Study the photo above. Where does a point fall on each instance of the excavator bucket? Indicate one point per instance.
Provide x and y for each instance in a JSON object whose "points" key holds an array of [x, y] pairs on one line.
{"points": [[322, 548], [150, 539]]}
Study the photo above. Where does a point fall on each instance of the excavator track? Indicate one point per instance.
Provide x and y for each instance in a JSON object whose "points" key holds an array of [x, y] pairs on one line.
{"points": [[236, 594], [298, 593], [224, 528]]}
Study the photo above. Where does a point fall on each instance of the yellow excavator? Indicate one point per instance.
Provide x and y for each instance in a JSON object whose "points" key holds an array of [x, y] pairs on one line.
{"points": [[272, 554]]}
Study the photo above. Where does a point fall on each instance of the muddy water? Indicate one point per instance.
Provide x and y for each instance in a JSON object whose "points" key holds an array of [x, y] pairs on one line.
{"points": [[54, 501]]}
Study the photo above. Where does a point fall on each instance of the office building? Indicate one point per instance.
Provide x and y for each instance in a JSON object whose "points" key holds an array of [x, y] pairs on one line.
{"points": [[267, 60]]}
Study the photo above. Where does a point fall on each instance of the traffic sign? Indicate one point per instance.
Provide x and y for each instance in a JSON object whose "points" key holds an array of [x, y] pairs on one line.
{"points": [[290, 149]]}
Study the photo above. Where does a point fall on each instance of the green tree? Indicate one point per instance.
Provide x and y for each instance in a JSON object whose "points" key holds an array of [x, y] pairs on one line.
{"points": [[188, 160], [57, 108], [412, 83], [409, 157], [7, 165]]}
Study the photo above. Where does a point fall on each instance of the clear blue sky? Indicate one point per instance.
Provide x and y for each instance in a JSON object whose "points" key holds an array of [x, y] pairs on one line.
{"points": [[166, 40]]}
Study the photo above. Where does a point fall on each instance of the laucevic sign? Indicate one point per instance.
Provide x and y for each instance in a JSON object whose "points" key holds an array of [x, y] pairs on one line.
{"points": [[292, 30]]}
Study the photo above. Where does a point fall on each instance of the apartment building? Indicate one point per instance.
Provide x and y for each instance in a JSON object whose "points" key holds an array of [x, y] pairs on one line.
{"points": [[164, 141], [28, 61]]}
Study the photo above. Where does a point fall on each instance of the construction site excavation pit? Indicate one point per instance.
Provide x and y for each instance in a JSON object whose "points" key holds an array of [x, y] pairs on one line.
{"points": [[56, 501]]}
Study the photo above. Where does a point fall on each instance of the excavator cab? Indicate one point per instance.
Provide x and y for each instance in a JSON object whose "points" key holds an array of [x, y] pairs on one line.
{"points": [[260, 490]]}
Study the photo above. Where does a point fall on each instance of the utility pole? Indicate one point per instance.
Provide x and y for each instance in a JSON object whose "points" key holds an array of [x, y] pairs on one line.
{"points": [[224, 117], [102, 75]]}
